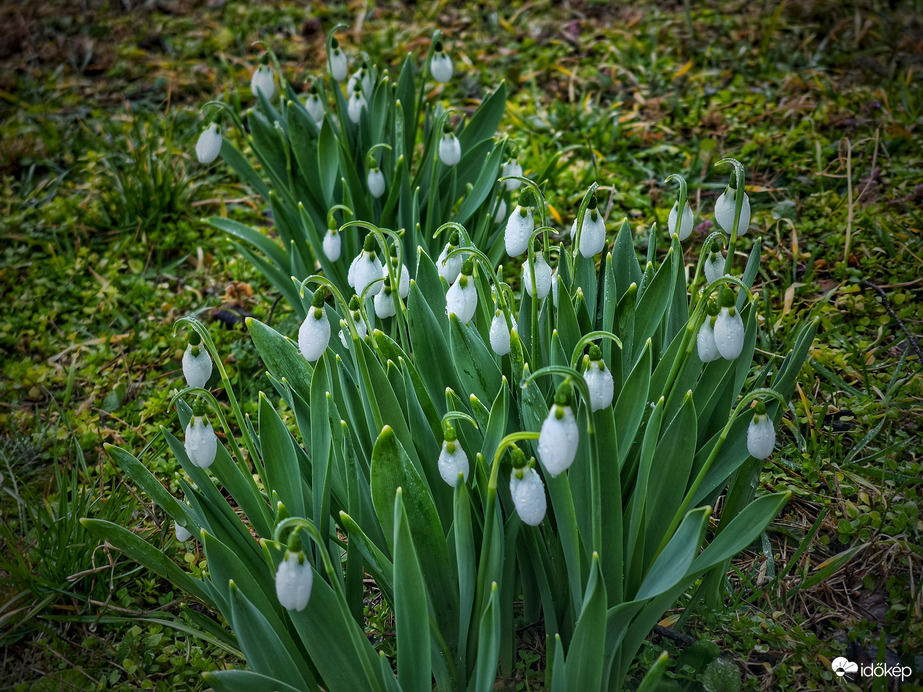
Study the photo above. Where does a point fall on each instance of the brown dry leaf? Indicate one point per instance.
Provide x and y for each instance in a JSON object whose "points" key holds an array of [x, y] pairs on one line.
{"points": [[787, 303]]}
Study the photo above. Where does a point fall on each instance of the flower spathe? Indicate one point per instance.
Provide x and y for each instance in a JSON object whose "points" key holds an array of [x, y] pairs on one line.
{"points": [[685, 225], [705, 342], [332, 244], [519, 228], [182, 535], [558, 439], [542, 274], [314, 334], [356, 104], [208, 146], [201, 443], [376, 181], [761, 435], [724, 212], [729, 333], [600, 383], [453, 462], [440, 65], [462, 298], [294, 579], [449, 149], [500, 333], [197, 365], [263, 81], [528, 493]]}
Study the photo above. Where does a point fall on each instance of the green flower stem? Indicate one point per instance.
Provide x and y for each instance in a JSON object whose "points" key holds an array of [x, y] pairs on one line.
{"points": [[539, 195], [577, 379], [738, 205], [587, 339], [581, 213], [706, 248], [681, 197], [222, 106], [458, 415]]}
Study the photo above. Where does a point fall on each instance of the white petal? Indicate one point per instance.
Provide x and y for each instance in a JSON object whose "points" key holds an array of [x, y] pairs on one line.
{"points": [[449, 150], [351, 272], [729, 334], [338, 67], [462, 301], [367, 270], [182, 535], [201, 442], [554, 286], [440, 67], [355, 106], [500, 335], [314, 334], [518, 230], [208, 145], [542, 277], [332, 245], [500, 213], [593, 235], [451, 465], [404, 280], [685, 229], [714, 270], [512, 168], [196, 369], [761, 437], [705, 343], [724, 213], [558, 440], [601, 385], [262, 80], [528, 495], [449, 267], [315, 108], [384, 305], [294, 580], [376, 181]]}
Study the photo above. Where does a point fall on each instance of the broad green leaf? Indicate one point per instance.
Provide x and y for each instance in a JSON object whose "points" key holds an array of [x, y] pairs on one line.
{"points": [[283, 475], [585, 655]]}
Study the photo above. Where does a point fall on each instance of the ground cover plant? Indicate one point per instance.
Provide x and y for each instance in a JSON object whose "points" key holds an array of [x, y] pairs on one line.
{"points": [[801, 108]]}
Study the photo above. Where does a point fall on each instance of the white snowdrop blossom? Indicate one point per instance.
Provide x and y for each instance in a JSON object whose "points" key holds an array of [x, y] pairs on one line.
{"points": [[500, 333], [338, 66], [360, 80], [729, 333], [600, 383], [593, 235], [705, 342], [528, 493], [511, 167], [558, 439], [384, 302], [449, 267], [724, 212], [356, 104], [197, 365], [453, 462], [400, 270], [315, 107], [365, 269], [314, 334], [263, 81], [714, 267], [332, 244], [182, 535], [208, 146], [685, 226], [440, 65], [518, 229], [449, 149], [500, 212], [761, 435], [542, 273], [361, 329], [201, 442], [294, 579], [462, 298], [376, 181]]}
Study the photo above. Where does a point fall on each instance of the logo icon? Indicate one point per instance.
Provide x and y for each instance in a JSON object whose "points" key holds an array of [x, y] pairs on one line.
{"points": [[841, 666]]}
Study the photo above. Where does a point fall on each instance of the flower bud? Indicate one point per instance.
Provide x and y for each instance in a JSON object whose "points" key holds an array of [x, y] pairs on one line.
{"points": [[559, 437], [500, 211], [761, 434], [724, 212], [182, 535], [729, 333], [376, 181], [332, 244], [201, 442], [294, 579], [500, 333], [197, 364], [453, 462], [449, 149], [440, 65], [542, 274], [598, 380], [528, 493], [314, 334], [338, 66], [511, 167], [462, 297], [356, 104], [593, 233], [315, 106], [449, 267], [208, 145], [519, 228], [685, 226], [263, 81]]}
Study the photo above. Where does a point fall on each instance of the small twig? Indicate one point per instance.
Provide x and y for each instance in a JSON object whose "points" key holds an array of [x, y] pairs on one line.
{"points": [[914, 345], [273, 309]]}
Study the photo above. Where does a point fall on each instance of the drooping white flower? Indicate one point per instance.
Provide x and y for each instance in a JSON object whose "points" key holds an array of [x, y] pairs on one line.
{"points": [[449, 267], [462, 296], [384, 302], [598, 380], [724, 212], [332, 244], [315, 106], [201, 443], [761, 434], [593, 234], [356, 104], [361, 329], [294, 579], [263, 81], [729, 333], [182, 535], [685, 227], [376, 181], [400, 271], [338, 66], [528, 493], [360, 79], [449, 149], [365, 269], [511, 167], [559, 437], [453, 462], [542, 274], [208, 145], [314, 333], [500, 333], [519, 228], [500, 211], [440, 64], [705, 342], [714, 267], [197, 364]]}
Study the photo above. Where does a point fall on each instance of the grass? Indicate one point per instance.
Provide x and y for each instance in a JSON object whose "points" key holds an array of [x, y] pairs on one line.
{"points": [[103, 251]]}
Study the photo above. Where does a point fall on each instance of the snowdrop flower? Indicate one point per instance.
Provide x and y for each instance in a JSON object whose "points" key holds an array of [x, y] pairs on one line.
{"points": [[729, 328], [201, 442], [208, 145], [500, 333], [685, 226], [332, 244], [453, 462], [705, 341], [376, 181], [263, 80], [197, 364], [314, 334], [448, 267], [315, 106], [593, 233], [384, 301], [355, 105], [440, 65], [724, 210], [519, 226], [337, 61], [542, 273], [400, 270], [714, 267], [761, 434], [182, 535], [462, 297], [294, 579], [356, 314], [559, 437], [511, 167], [528, 493], [360, 80], [598, 379], [449, 147], [500, 212], [365, 269]]}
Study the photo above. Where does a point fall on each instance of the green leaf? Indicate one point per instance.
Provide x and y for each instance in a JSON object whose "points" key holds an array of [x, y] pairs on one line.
{"points": [[585, 657], [281, 357], [283, 476], [477, 371], [486, 119], [245, 681], [672, 565], [488, 643]]}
